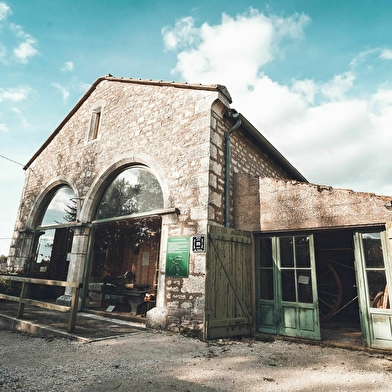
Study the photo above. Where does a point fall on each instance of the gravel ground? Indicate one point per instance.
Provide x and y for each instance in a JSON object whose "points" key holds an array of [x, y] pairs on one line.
{"points": [[156, 361]]}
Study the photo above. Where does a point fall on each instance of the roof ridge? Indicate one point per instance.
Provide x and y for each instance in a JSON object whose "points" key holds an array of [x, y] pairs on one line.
{"points": [[199, 86]]}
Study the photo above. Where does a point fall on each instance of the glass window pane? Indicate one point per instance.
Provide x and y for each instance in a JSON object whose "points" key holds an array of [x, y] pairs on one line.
{"points": [[45, 246], [61, 209], [286, 252], [266, 284], [377, 284], [288, 285], [302, 252], [266, 252], [52, 255], [304, 286], [373, 250], [133, 191]]}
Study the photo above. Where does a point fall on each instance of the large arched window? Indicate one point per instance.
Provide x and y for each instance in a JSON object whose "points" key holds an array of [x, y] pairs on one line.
{"points": [[125, 246], [134, 190]]}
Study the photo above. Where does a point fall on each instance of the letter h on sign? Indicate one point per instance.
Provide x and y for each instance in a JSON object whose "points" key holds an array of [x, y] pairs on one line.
{"points": [[198, 244]]}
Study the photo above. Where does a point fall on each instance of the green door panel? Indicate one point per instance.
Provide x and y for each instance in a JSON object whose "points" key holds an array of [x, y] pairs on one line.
{"points": [[268, 318], [372, 258], [288, 303]]}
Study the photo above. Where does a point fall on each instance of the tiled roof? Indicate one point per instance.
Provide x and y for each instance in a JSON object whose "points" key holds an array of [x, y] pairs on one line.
{"points": [[194, 86]]}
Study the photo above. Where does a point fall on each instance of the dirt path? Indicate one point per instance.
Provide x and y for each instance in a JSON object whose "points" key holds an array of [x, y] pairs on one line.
{"points": [[152, 361]]}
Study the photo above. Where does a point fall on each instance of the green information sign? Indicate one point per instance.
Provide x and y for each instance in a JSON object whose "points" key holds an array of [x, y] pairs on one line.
{"points": [[177, 259]]}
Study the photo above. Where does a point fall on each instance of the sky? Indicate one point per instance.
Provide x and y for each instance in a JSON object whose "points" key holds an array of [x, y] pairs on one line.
{"points": [[313, 76]]}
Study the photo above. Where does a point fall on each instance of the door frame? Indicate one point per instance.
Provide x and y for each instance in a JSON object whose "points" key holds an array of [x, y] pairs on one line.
{"points": [[376, 323], [283, 317]]}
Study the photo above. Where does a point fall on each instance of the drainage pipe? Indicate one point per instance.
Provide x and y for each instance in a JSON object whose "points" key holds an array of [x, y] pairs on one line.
{"points": [[235, 115]]}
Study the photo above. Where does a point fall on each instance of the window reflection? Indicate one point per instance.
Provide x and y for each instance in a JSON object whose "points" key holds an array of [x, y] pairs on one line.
{"points": [[61, 209], [304, 280], [288, 286], [52, 256], [266, 269], [286, 252], [133, 191], [296, 269], [375, 271], [377, 284], [373, 250], [302, 252]]}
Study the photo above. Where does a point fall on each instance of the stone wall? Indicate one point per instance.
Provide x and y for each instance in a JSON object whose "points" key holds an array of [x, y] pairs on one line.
{"points": [[166, 128], [248, 156], [179, 132], [291, 205]]}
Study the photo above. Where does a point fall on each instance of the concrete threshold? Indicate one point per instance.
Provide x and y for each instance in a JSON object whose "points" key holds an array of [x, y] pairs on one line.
{"points": [[18, 325], [46, 323]]}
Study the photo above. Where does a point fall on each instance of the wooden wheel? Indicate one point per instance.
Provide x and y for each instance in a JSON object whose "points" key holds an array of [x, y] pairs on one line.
{"points": [[329, 290], [381, 300]]}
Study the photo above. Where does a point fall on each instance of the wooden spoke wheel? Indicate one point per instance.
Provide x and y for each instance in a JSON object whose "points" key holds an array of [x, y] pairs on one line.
{"points": [[329, 290]]}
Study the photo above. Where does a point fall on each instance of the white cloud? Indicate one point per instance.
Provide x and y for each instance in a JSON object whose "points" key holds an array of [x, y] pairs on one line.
{"points": [[330, 134], [68, 66], [305, 88], [25, 50], [5, 11], [26, 46], [182, 34], [14, 94], [386, 54], [3, 128], [63, 91], [225, 52], [336, 89], [378, 53]]}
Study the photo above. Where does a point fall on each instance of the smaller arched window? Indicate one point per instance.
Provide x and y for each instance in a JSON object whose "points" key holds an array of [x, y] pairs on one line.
{"points": [[61, 209], [54, 236], [133, 191]]}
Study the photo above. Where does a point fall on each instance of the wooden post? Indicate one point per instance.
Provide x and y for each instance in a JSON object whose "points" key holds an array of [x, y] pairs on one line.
{"points": [[21, 305], [74, 308]]}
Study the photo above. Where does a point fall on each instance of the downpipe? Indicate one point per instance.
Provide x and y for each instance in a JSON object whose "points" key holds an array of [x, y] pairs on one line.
{"points": [[227, 200]]}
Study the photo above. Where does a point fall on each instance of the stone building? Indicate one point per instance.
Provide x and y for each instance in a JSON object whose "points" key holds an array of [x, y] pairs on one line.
{"points": [[166, 203]]}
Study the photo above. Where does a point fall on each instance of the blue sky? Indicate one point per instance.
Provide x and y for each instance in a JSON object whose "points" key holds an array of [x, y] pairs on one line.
{"points": [[315, 77]]}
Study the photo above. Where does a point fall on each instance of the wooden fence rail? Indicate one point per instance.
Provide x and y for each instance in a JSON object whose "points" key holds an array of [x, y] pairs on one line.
{"points": [[22, 299]]}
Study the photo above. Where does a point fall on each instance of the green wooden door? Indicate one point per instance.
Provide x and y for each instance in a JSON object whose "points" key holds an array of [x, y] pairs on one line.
{"points": [[373, 265], [229, 283], [288, 288]]}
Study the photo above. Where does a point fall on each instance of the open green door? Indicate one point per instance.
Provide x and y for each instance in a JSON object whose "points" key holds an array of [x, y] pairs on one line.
{"points": [[288, 303], [373, 266]]}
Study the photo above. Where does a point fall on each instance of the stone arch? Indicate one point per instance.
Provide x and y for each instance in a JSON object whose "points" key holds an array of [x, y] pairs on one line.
{"points": [[50, 241], [97, 189], [45, 196]]}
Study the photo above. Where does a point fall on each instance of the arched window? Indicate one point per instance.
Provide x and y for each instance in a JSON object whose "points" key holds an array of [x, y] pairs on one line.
{"points": [[125, 248], [61, 208], [134, 190], [53, 239]]}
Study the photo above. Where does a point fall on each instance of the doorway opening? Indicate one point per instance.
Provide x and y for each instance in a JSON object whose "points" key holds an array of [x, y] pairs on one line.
{"points": [[337, 287], [124, 266]]}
